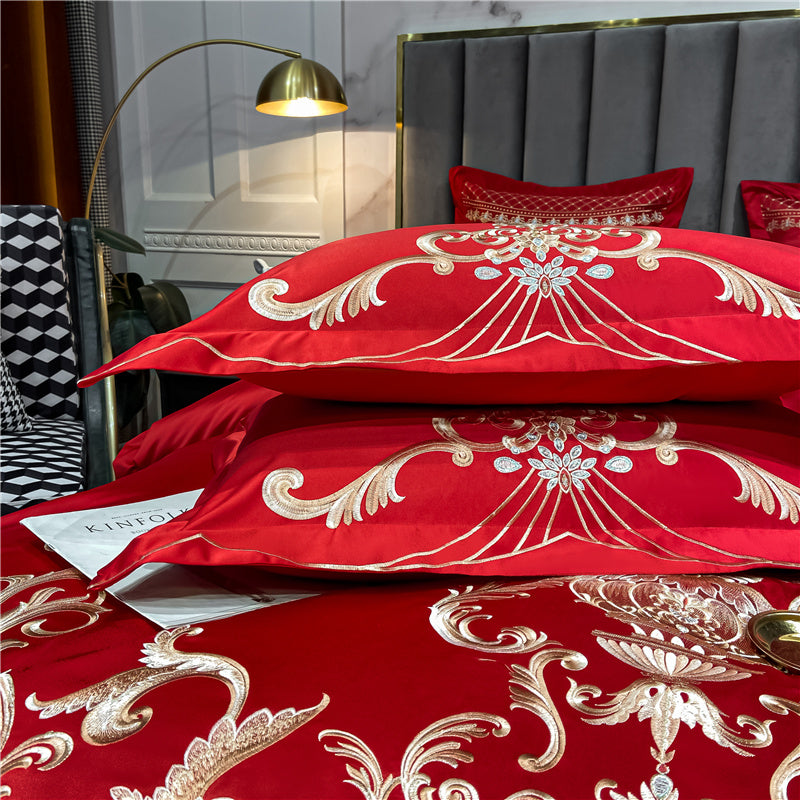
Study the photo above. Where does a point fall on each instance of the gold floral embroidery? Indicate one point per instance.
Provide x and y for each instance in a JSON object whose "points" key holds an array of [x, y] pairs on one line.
{"points": [[452, 616], [675, 646], [529, 691], [440, 742], [686, 630], [31, 615], [228, 744], [660, 787], [109, 704], [546, 281], [789, 768], [708, 612], [563, 475], [45, 751], [668, 699], [111, 715]]}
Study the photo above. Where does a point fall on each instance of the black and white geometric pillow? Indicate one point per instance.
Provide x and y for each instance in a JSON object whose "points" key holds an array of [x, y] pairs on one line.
{"points": [[13, 416], [41, 464], [36, 324]]}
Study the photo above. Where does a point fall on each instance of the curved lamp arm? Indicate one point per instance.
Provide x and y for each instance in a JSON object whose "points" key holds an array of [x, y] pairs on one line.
{"points": [[303, 80], [140, 78]]}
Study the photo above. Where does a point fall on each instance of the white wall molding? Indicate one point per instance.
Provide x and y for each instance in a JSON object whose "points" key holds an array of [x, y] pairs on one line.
{"points": [[280, 245]]}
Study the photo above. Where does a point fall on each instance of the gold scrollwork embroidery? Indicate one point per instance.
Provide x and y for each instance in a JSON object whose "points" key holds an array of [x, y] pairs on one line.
{"points": [[740, 285], [759, 486], [567, 476], [227, 745], [529, 691], [374, 489], [31, 615], [440, 742], [452, 616], [789, 768], [571, 296], [45, 751], [111, 715], [356, 294], [109, 704]]}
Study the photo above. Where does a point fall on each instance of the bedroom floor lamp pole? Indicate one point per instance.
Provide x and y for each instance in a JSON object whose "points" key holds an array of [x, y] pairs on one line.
{"points": [[297, 87]]}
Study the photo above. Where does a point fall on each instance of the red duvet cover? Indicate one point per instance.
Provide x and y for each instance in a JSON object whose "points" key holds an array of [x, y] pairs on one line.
{"points": [[627, 687]]}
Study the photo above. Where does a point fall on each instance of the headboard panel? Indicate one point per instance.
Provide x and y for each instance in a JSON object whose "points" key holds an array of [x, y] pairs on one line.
{"points": [[583, 104]]}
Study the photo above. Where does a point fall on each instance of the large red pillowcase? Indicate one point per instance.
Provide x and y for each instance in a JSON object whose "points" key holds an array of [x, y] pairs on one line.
{"points": [[506, 314], [657, 199], [773, 210], [351, 488], [220, 413]]}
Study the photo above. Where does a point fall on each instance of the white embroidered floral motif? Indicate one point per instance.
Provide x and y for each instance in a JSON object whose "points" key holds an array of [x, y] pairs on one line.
{"points": [[563, 471], [545, 278]]}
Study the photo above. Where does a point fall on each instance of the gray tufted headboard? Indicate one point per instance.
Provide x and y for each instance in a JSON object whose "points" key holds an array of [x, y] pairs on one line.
{"points": [[589, 103]]}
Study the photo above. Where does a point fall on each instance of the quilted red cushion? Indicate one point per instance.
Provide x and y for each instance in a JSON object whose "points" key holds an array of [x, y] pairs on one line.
{"points": [[654, 200], [507, 314], [496, 491], [773, 210]]}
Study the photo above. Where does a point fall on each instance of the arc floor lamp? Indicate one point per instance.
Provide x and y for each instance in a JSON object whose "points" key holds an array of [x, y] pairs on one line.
{"points": [[296, 87]]}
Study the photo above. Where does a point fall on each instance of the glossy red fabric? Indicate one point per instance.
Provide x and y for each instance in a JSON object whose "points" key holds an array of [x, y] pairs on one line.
{"points": [[217, 415], [565, 688], [773, 210], [602, 686], [509, 314], [657, 199], [343, 488]]}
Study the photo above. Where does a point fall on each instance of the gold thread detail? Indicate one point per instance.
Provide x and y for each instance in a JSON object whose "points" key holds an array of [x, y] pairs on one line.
{"points": [[31, 615], [44, 751], [111, 716], [789, 768]]}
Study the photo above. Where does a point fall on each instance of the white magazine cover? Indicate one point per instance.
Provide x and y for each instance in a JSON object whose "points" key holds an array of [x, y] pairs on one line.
{"points": [[167, 594]]}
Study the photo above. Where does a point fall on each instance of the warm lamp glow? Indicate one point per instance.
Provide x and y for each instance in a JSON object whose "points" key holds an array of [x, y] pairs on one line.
{"points": [[300, 107], [300, 87]]}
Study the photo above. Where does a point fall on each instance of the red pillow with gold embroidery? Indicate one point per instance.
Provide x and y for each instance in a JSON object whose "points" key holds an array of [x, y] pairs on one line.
{"points": [[496, 491], [655, 200], [506, 314], [773, 210]]}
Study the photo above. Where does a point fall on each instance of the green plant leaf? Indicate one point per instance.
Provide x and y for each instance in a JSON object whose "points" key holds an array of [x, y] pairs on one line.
{"points": [[119, 241]]}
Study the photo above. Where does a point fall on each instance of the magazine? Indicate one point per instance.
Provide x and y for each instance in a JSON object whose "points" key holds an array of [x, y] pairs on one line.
{"points": [[167, 594]]}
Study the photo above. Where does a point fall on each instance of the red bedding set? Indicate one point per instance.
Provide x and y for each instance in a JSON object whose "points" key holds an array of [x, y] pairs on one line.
{"points": [[544, 475]]}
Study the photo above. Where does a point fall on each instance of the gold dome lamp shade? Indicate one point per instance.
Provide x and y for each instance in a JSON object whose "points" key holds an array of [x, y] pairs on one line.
{"points": [[300, 87], [297, 87]]}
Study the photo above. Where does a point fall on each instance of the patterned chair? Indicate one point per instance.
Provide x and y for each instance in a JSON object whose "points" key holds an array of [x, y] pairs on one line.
{"points": [[54, 438]]}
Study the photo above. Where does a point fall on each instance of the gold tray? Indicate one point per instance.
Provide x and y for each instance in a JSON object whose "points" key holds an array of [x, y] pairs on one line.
{"points": [[777, 635]]}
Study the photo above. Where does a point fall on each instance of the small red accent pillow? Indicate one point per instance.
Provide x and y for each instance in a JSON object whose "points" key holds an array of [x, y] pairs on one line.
{"points": [[496, 491], [657, 199], [219, 414], [773, 210], [506, 314]]}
